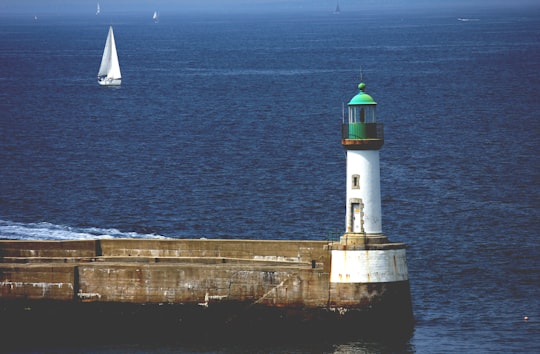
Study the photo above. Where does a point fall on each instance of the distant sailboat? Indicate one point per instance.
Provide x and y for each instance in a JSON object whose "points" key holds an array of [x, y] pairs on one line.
{"points": [[109, 70], [337, 11], [98, 10], [155, 17]]}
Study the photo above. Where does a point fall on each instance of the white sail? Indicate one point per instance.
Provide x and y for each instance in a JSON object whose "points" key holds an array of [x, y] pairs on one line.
{"points": [[155, 17], [109, 70], [98, 9]]}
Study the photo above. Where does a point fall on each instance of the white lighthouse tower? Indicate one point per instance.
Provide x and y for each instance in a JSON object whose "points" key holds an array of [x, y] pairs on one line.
{"points": [[362, 138], [364, 261]]}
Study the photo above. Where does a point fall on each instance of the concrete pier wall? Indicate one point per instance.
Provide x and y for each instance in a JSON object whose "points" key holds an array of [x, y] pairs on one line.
{"points": [[170, 271], [198, 281]]}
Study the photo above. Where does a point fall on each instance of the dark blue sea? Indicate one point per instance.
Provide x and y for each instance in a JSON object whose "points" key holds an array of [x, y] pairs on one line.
{"points": [[228, 126]]}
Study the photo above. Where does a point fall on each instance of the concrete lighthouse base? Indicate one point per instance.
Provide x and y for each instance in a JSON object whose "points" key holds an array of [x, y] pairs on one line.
{"points": [[377, 271], [368, 258]]}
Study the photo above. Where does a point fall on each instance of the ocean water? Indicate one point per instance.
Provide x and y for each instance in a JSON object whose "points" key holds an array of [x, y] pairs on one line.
{"points": [[228, 126]]}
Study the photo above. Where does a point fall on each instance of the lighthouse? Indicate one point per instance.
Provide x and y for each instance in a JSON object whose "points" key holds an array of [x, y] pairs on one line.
{"points": [[362, 138], [364, 260]]}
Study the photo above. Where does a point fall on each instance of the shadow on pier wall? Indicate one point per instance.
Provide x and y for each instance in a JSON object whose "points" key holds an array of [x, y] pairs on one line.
{"points": [[48, 324]]}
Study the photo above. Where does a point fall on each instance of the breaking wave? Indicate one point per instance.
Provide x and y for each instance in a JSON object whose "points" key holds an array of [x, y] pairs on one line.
{"points": [[46, 231]]}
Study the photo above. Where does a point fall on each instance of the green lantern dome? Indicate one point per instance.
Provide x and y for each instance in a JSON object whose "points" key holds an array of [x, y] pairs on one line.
{"points": [[362, 98]]}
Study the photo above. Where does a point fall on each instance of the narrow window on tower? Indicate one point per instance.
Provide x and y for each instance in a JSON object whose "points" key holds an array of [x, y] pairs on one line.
{"points": [[356, 181]]}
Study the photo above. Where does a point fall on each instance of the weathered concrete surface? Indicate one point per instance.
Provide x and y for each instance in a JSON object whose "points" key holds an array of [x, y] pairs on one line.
{"points": [[201, 283], [166, 271], [44, 249], [37, 281]]}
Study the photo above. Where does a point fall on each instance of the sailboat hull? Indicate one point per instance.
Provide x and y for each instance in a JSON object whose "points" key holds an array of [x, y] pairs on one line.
{"points": [[110, 82]]}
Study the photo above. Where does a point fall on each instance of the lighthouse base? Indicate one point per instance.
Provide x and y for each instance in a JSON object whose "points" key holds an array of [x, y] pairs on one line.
{"points": [[376, 269], [362, 239]]}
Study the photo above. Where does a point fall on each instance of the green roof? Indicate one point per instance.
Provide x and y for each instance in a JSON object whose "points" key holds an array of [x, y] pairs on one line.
{"points": [[362, 97]]}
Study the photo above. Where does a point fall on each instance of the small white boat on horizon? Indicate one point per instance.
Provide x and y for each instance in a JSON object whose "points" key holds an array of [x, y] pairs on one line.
{"points": [[155, 17], [109, 70]]}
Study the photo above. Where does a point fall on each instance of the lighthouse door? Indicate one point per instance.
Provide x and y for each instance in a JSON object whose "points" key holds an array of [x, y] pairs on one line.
{"points": [[357, 217]]}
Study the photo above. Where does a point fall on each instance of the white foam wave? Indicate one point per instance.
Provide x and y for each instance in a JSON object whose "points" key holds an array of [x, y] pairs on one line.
{"points": [[47, 231]]}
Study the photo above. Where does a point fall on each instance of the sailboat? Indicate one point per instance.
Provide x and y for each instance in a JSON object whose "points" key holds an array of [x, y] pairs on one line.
{"points": [[337, 11], [98, 10], [155, 17], [109, 70]]}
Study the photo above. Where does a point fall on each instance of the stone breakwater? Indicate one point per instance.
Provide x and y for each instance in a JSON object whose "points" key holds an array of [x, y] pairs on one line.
{"points": [[193, 284]]}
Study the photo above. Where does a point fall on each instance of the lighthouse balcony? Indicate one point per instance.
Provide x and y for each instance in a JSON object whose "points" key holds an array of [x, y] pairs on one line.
{"points": [[362, 136]]}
